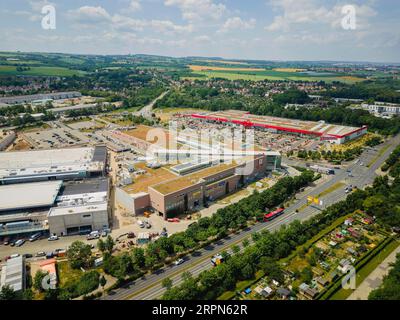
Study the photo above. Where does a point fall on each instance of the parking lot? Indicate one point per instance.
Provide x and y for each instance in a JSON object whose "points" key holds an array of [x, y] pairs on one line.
{"points": [[56, 138]]}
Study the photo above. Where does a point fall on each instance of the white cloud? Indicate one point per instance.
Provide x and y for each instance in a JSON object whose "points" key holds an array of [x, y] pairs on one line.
{"points": [[88, 14], [311, 12], [236, 23], [134, 6], [197, 10], [98, 15], [37, 5]]}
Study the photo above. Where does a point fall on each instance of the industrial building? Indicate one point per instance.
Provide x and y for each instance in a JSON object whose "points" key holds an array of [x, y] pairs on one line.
{"points": [[328, 132], [62, 110], [42, 96], [13, 274], [382, 108], [58, 207], [54, 164], [61, 191], [186, 193], [202, 174], [81, 208]]}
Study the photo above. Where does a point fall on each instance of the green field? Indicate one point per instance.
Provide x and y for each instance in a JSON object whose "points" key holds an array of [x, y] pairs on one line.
{"points": [[272, 75], [40, 71]]}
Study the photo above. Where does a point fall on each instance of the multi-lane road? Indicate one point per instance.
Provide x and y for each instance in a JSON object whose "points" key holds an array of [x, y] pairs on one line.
{"points": [[150, 287]]}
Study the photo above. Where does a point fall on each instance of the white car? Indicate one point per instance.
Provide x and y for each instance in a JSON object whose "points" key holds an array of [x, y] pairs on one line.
{"points": [[179, 261], [19, 243], [52, 238]]}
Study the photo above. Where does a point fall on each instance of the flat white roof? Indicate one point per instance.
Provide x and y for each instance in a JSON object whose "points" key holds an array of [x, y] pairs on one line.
{"points": [[42, 162], [28, 195], [13, 274], [62, 211]]}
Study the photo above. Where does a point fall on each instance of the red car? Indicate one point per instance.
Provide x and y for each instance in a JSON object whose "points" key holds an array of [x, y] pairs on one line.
{"points": [[173, 220]]}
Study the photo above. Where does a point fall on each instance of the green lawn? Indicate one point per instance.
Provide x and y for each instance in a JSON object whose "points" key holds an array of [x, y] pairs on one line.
{"points": [[332, 188], [66, 273], [40, 71], [240, 286], [271, 75]]}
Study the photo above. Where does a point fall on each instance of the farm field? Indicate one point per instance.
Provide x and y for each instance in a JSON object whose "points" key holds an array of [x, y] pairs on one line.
{"points": [[40, 71], [213, 68], [259, 75]]}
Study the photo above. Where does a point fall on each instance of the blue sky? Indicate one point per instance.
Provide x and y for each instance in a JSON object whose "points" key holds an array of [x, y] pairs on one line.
{"points": [[247, 29]]}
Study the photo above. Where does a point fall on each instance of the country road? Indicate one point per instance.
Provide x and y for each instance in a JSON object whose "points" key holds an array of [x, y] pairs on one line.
{"points": [[147, 110], [149, 286]]}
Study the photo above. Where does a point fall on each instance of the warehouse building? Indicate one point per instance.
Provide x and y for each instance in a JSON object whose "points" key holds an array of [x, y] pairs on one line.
{"points": [[53, 164], [42, 96], [328, 132], [80, 208], [62, 110], [58, 207]]}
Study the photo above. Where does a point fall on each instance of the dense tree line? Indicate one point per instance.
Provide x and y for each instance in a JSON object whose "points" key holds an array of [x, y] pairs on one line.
{"points": [[390, 288], [385, 90], [393, 163]]}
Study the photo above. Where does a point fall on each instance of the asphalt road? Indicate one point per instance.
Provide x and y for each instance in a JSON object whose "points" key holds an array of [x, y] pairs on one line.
{"points": [[149, 286], [147, 110]]}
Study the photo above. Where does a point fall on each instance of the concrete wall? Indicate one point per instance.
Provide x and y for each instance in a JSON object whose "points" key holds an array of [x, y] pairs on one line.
{"points": [[124, 199], [140, 202], [60, 223]]}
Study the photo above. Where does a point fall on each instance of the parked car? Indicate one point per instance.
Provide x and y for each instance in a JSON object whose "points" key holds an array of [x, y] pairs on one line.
{"points": [[35, 237], [53, 238], [15, 255], [40, 254], [93, 235], [140, 223], [173, 220], [49, 255], [104, 234], [131, 235], [178, 262], [28, 255], [19, 242]]}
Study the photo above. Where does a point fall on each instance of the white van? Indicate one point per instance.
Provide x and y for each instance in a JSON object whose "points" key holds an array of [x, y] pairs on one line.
{"points": [[93, 235]]}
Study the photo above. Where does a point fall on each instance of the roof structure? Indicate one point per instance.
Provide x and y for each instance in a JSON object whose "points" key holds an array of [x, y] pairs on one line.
{"points": [[14, 165], [70, 210], [13, 274], [29, 195], [289, 125], [177, 184]]}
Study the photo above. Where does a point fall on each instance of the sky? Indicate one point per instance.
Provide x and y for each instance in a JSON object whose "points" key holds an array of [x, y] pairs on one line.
{"points": [[234, 29]]}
